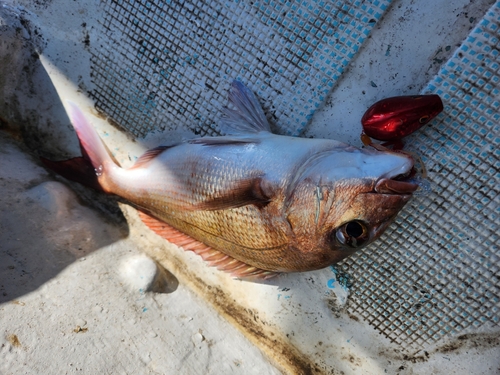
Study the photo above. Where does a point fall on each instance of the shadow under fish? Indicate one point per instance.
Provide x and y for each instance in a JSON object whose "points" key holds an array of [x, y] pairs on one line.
{"points": [[253, 203]]}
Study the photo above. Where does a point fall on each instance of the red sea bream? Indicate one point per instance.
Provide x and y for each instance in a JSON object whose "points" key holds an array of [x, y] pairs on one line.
{"points": [[254, 203]]}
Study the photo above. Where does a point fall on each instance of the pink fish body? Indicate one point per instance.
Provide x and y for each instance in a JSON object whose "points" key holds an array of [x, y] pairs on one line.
{"points": [[252, 202]]}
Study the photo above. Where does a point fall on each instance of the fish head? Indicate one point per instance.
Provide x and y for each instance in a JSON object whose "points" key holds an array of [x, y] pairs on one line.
{"points": [[345, 201]]}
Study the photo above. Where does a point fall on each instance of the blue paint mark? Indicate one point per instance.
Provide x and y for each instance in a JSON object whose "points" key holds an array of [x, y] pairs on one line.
{"points": [[144, 309], [343, 278], [388, 51], [279, 295], [330, 283]]}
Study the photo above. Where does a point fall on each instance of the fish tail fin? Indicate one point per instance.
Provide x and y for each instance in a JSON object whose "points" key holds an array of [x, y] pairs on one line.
{"points": [[95, 166], [77, 169]]}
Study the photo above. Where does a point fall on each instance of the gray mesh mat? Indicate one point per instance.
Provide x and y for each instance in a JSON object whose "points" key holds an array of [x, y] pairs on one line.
{"points": [[437, 271], [168, 63]]}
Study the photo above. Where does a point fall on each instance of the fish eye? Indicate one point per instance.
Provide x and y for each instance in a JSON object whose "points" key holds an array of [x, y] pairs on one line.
{"points": [[353, 234], [423, 119]]}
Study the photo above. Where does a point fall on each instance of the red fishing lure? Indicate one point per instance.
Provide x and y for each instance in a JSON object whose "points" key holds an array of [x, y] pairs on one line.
{"points": [[394, 118]]}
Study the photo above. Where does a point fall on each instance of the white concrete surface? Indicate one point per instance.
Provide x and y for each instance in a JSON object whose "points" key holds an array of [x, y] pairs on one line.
{"points": [[74, 292]]}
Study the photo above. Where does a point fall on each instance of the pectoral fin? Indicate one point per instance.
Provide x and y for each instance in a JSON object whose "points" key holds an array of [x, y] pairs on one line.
{"points": [[244, 192]]}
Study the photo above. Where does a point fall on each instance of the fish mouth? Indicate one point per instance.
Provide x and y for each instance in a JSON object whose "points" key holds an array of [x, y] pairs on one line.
{"points": [[395, 186], [396, 181]]}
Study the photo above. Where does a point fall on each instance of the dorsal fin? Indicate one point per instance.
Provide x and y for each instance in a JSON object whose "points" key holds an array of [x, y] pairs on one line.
{"points": [[247, 117], [213, 257], [148, 156]]}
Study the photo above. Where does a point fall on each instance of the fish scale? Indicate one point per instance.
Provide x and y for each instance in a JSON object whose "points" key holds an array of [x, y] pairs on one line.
{"points": [[187, 190]]}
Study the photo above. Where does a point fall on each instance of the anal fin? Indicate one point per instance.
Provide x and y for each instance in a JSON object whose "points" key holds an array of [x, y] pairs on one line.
{"points": [[213, 257]]}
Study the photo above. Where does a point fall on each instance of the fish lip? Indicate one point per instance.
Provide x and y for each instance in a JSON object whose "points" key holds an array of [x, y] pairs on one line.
{"points": [[398, 187], [395, 181]]}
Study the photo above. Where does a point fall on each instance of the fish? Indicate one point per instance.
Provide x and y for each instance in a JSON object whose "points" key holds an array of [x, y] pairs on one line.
{"points": [[253, 203], [391, 119]]}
